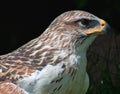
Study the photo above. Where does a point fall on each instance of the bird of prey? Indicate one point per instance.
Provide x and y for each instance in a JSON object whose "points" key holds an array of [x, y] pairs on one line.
{"points": [[55, 62]]}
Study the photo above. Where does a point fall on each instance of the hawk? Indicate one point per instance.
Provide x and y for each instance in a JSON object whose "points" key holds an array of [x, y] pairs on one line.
{"points": [[55, 62]]}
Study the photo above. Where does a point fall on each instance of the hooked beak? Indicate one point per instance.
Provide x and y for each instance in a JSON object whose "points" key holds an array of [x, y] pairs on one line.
{"points": [[104, 29]]}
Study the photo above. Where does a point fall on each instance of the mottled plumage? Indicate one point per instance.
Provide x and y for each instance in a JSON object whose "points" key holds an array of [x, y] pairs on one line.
{"points": [[55, 62]]}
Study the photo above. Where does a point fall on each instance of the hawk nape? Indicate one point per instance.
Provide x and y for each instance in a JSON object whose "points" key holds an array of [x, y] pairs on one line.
{"points": [[55, 62]]}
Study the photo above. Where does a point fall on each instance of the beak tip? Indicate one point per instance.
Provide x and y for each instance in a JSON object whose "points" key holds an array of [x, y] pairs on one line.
{"points": [[108, 30]]}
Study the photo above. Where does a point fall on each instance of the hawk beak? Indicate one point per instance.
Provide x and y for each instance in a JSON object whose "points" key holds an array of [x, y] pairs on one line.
{"points": [[104, 28]]}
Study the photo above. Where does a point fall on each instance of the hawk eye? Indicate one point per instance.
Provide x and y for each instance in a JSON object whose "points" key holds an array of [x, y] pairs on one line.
{"points": [[84, 22]]}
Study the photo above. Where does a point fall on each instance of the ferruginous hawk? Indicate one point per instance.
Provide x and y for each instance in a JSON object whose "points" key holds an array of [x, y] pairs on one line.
{"points": [[55, 62]]}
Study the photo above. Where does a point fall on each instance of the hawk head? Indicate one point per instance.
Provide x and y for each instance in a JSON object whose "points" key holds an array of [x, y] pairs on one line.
{"points": [[73, 27]]}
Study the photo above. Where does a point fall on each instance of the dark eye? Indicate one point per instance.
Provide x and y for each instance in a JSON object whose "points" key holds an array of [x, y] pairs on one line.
{"points": [[84, 22]]}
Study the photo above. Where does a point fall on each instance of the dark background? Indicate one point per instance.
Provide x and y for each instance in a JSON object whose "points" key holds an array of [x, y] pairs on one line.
{"points": [[23, 21]]}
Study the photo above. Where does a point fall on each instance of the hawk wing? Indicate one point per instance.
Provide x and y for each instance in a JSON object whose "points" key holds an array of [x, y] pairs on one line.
{"points": [[10, 88], [11, 71]]}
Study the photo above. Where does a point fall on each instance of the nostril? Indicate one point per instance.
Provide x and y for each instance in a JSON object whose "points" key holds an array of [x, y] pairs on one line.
{"points": [[103, 24]]}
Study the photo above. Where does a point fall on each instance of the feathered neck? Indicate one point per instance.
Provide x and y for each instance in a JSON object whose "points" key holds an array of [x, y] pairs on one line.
{"points": [[82, 46]]}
